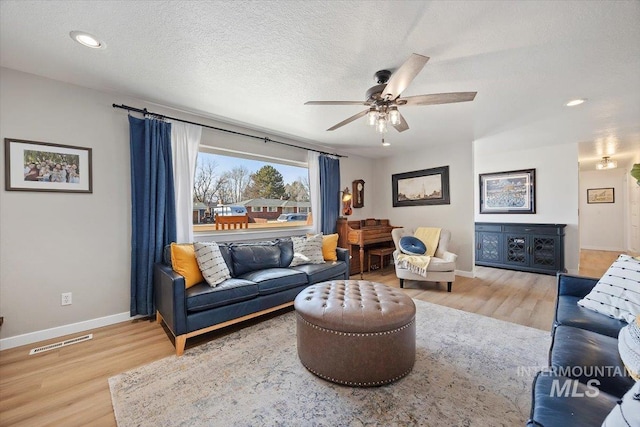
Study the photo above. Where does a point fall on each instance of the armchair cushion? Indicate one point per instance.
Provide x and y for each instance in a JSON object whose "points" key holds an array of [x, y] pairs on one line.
{"points": [[411, 245]]}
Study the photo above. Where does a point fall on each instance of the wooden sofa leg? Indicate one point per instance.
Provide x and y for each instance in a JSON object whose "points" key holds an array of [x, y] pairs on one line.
{"points": [[158, 317], [449, 286], [402, 283], [181, 341]]}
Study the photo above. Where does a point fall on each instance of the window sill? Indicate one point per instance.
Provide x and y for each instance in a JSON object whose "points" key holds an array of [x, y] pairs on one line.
{"points": [[245, 235]]}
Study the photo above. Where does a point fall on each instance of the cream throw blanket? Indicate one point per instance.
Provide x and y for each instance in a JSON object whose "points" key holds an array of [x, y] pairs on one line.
{"points": [[418, 264]]}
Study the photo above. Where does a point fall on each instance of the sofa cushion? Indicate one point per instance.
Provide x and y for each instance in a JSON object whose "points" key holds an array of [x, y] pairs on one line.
{"points": [[617, 293], [249, 257], [184, 262], [212, 265], [586, 355], [203, 297], [307, 250], [569, 313], [272, 280], [320, 272], [330, 246], [572, 406], [286, 252]]}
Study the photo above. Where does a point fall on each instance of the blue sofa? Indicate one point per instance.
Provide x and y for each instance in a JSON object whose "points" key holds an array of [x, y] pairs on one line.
{"points": [[586, 376], [261, 282]]}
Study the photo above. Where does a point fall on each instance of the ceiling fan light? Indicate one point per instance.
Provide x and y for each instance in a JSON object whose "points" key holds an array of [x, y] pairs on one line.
{"points": [[394, 116], [381, 125], [371, 116]]}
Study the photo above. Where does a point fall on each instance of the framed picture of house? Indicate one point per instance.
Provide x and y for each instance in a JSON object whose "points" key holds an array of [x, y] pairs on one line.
{"points": [[44, 166], [509, 192], [601, 195], [423, 187]]}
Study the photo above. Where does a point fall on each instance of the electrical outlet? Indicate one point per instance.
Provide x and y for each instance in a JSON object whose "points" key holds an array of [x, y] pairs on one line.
{"points": [[66, 298]]}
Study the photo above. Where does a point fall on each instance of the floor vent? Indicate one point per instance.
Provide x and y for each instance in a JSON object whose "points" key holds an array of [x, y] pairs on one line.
{"points": [[60, 344]]}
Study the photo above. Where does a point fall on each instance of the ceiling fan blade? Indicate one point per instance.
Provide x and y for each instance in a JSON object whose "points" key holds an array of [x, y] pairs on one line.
{"points": [[402, 126], [437, 98], [404, 76], [349, 120], [336, 103]]}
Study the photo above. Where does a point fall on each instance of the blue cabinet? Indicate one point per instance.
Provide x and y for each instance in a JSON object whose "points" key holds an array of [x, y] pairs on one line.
{"points": [[538, 248]]}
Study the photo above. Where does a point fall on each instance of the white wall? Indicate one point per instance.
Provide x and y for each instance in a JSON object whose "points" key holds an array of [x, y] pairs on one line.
{"points": [[58, 242], [556, 187], [52, 243], [633, 213], [457, 216], [353, 168], [603, 225]]}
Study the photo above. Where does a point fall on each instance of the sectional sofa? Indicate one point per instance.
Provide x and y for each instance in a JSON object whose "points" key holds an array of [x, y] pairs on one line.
{"points": [[586, 377]]}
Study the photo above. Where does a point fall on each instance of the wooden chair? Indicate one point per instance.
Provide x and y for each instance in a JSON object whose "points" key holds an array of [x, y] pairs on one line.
{"points": [[228, 222]]}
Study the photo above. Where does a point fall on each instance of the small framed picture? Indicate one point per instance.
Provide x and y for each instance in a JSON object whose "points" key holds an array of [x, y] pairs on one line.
{"points": [[601, 195], [44, 166]]}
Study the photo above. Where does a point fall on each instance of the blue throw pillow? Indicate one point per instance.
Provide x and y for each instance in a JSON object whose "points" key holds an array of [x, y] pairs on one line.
{"points": [[412, 246]]}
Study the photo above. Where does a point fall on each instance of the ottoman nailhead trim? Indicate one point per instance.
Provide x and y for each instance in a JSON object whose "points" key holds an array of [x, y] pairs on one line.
{"points": [[365, 384], [356, 334]]}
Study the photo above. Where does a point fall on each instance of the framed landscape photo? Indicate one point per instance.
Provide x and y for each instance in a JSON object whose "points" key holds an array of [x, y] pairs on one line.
{"points": [[423, 187], [601, 195], [509, 192], [44, 166]]}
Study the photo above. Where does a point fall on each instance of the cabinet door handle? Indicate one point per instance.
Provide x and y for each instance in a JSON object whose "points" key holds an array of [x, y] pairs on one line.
{"points": [[478, 246]]}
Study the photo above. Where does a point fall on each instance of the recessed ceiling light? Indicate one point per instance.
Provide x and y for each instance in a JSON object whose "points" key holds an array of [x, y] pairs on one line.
{"points": [[575, 102], [87, 40]]}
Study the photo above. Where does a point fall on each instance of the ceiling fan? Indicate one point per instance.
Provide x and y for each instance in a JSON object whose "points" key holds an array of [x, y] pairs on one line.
{"points": [[384, 99]]}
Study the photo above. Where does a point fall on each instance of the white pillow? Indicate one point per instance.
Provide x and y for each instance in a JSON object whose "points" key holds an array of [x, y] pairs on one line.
{"points": [[627, 411], [307, 250], [629, 348], [617, 293], [211, 263]]}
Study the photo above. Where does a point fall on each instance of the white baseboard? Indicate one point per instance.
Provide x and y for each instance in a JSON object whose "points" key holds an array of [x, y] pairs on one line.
{"points": [[462, 273], [46, 334], [599, 248]]}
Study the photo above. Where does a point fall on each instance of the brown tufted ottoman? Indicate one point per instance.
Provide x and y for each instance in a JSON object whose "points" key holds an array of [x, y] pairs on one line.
{"points": [[356, 332]]}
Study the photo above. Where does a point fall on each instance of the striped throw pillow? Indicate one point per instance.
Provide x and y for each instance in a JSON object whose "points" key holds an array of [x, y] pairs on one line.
{"points": [[617, 293], [307, 250], [211, 263]]}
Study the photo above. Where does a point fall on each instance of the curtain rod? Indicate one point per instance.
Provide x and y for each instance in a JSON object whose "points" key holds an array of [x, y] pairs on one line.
{"points": [[265, 138]]}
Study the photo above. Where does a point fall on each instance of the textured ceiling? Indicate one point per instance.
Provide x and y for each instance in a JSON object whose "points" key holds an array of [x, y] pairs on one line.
{"points": [[257, 62]]}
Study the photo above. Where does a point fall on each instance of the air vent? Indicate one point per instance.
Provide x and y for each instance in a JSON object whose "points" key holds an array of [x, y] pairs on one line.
{"points": [[60, 344]]}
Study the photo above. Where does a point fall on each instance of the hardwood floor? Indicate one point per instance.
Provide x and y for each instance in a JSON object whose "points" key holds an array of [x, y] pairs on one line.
{"points": [[69, 386]]}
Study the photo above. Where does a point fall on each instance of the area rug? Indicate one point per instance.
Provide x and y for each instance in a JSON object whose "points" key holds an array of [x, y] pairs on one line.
{"points": [[470, 370]]}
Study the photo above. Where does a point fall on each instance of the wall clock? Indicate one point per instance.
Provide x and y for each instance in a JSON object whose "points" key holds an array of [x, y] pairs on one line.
{"points": [[358, 193]]}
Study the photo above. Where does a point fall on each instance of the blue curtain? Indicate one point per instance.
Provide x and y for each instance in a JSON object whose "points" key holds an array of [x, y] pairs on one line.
{"points": [[153, 216], [329, 191]]}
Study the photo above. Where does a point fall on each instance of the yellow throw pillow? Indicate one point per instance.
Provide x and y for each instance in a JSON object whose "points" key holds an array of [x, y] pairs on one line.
{"points": [[183, 260], [329, 245]]}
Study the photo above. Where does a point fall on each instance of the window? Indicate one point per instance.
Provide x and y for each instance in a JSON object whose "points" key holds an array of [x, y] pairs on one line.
{"points": [[249, 185]]}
